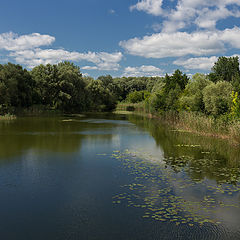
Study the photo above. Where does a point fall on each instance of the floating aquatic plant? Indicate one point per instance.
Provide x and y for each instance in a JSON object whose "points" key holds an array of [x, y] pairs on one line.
{"points": [[161, 192]]}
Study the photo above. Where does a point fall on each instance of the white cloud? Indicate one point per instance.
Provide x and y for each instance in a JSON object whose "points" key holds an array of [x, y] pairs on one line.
{"points": [[156, 27], [89, 68], [26, 50], [102, 60], [153, 7], [208, 18], [142, 71], [202, 63], [231, 36], [112, 11], [12, 42], [85, 74], [203, 13], [160, 45]]}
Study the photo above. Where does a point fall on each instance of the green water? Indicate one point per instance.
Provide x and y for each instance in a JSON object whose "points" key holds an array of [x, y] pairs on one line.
{"points": [[115, 177]]}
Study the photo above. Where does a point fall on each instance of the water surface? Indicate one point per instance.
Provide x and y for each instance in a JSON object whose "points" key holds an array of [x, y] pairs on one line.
{"points": [[115, 177]]}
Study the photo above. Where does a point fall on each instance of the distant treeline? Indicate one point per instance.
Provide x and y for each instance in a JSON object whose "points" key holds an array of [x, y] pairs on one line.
{"points": [[62, 87], [215, 94]]}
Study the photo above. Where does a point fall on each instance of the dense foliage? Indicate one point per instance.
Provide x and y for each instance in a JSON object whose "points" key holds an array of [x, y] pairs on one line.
{"points": [[62, 87], [215, 94], [56, 87]]}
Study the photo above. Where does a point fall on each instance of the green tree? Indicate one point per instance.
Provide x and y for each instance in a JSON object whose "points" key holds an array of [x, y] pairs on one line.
{"points": [[111, 85], [137, 96], [46, 78], [60, 86], [100, 98], [192, 98], [226, 69], [172, 90], [151, 82], [71, 95], [217, 98], [130, 84], [16, 86]]}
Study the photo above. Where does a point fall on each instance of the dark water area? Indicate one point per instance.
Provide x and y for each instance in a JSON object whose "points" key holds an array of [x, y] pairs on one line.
{"points": [[118, 177]]}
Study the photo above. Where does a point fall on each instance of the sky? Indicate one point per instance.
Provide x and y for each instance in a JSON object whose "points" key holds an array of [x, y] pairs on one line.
{"points": [[120, 38]]}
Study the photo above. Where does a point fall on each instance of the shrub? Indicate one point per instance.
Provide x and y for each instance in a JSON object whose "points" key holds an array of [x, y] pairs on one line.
{"points": [[192, 98], [217, 98]]}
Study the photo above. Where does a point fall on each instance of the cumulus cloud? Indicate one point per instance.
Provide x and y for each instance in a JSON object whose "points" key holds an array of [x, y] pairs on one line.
{"points": [[89, 68], [201, 63], [12, 42], [26, 50], [178, 44], [142, 71], [202, 13], [102, 60], [231, 36], [153, 7]]}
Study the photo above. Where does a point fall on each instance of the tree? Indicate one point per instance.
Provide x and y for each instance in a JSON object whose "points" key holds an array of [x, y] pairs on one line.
{"points": [[159, 85], [178, 78], [128, 85], [100, 98], [71, 96], [151, 82], [110, 85], [46, 80], [225, 69], [192, 98], [137, 96], [16, 86], [60, 86], [217, 98], [172, 90]]}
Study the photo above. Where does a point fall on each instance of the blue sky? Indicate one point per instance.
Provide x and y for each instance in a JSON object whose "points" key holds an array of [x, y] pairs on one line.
{"points": [[121, 38]]}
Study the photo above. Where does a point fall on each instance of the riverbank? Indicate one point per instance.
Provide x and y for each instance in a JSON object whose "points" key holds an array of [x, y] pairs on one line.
{"points": [[191, 122], [7, 117]]}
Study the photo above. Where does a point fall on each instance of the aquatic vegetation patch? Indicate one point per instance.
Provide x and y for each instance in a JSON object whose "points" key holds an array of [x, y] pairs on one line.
{"points": [[187, 145], [167, 191]]}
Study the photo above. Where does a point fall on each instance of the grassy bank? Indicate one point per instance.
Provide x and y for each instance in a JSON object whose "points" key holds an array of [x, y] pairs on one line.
{"points": [[192, 122], [7, 117], [37, 110]]}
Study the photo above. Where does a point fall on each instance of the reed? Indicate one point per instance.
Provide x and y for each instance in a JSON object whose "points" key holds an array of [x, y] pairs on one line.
{"points": [[199, 123], [7, 117]]}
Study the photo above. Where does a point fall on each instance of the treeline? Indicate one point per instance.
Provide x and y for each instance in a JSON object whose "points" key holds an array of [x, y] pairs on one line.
{"points": [[62, 87], [215, 94], [55, 87]]}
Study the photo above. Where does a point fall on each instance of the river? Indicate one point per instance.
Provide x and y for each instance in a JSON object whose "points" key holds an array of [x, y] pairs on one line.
{"points": [[115, 177]]}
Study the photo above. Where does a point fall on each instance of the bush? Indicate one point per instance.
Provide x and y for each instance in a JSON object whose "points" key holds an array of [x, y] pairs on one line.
{"points": [[217, 98], [192, 98], [137, 96]]}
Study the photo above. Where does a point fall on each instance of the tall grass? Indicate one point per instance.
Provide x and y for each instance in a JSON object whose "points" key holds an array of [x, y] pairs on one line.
{"points": [[137, 107], [199, 123], [210, 126], [7, 117], [234, 131]]}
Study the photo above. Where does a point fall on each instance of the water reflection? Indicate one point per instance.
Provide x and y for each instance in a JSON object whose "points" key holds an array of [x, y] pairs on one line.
{"points": [[204, 157], [102, 177], [59, 135]]}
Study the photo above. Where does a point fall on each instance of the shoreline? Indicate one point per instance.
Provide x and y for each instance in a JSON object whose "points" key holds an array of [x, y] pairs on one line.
{"points": [[194, 124]]}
